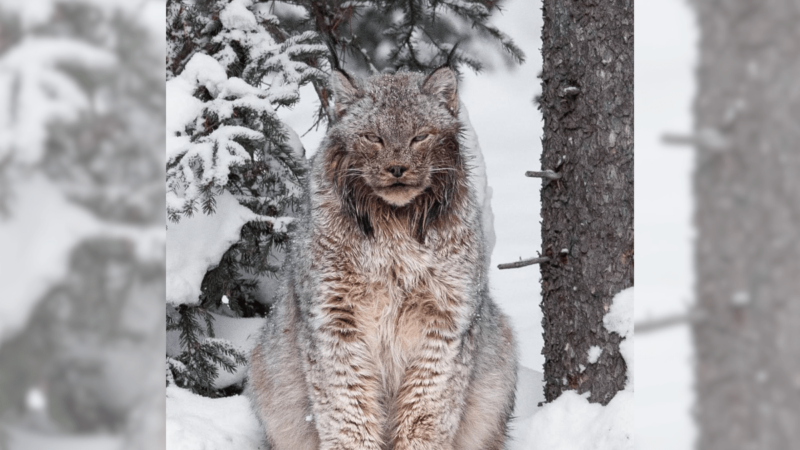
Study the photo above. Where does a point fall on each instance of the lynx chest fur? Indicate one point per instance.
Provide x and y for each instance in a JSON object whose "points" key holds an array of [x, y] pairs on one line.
{"points": [[386, 337], [393, 288]]}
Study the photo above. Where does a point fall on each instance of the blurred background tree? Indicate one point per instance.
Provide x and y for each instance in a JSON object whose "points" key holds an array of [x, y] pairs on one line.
{"points": [[81, 156], [746, 320]]}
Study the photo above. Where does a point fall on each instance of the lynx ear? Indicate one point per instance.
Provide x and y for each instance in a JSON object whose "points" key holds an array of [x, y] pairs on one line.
{"points": [[443, 84], [345, 91]]}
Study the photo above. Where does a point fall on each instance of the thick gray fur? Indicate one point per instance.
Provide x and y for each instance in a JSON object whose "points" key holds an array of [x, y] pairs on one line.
{"points": [[385, 336]]}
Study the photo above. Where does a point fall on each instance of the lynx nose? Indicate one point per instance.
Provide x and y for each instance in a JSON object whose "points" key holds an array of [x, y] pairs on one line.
{"points": [[397, 171]]}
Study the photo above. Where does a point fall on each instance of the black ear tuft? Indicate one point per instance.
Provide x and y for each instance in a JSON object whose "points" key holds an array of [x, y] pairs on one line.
{"points": [[443, 84], [451, 57]]}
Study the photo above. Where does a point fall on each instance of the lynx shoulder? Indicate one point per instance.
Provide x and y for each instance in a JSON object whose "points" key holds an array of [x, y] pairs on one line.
{"points": [[386, 336]]}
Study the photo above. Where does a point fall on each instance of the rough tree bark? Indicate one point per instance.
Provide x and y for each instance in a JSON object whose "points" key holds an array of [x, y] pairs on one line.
{"points": [[747, 192], [587, 214]]}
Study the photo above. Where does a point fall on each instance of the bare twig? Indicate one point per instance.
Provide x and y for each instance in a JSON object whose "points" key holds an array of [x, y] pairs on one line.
{"points": [[547, 174], [659, 324], [707, 138], [650, 326], [678, 139], [523, 263]]}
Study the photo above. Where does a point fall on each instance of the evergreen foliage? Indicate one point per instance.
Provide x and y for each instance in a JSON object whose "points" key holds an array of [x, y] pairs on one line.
{"points": [[238, 61], [197, 367]]}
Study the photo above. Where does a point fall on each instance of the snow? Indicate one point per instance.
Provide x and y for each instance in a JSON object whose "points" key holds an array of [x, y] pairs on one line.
{"points": [[191, 252], [201, 423], [530, 392], [295, 143], [480, 183], [594, 354], [619, 318], [476, 9], [31, 266], [182, 109], [187, 260], [237, 16], [47, 77], [239, 88], [571, 422], [204, 70], [217, 152], [35, 399]]}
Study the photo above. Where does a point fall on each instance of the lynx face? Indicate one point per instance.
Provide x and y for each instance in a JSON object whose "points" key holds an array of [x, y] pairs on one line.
{"points": [[397, 168], [399, 134]]}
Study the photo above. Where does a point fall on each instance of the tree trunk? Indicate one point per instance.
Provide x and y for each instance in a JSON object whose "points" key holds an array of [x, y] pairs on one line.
{"points": [[747, 191], [587, 214]]}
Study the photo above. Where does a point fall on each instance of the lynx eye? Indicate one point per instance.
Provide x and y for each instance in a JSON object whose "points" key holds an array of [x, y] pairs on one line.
{"points": [[420, 138], [373, 138]]}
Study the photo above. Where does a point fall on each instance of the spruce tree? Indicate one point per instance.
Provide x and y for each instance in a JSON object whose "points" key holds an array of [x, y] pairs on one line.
{"points": [[587, 211], [239, 72]]}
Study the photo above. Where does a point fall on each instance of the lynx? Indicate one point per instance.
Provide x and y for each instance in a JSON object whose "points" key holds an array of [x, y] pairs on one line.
{"points": [[385, 336]]}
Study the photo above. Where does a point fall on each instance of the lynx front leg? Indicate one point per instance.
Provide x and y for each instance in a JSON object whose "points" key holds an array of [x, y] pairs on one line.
{"points": [[344, 381], [431, 397]]}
